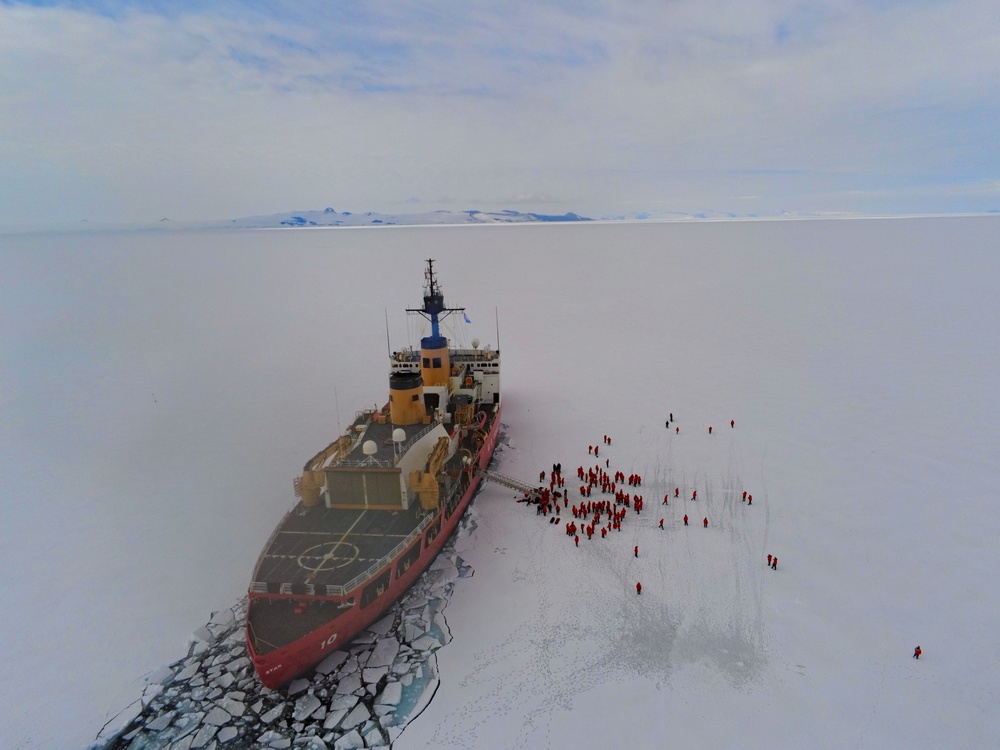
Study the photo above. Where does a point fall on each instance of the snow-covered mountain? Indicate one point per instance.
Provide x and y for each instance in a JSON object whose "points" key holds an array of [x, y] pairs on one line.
{"points": [[328, 217]]}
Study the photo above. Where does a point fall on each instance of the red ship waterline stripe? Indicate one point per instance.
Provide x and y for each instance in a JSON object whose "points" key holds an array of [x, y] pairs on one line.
{"points": [[278, 667]]}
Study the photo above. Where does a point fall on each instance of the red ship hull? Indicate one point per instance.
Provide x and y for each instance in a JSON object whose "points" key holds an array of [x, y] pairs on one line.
{"points": [[277, 667]]}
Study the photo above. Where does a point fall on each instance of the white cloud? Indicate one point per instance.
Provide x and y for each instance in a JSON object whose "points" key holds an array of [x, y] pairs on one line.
{"points": [[135, 115]]}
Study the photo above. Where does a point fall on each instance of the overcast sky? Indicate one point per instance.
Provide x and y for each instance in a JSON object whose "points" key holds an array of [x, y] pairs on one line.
{"points": [[134, 111]]}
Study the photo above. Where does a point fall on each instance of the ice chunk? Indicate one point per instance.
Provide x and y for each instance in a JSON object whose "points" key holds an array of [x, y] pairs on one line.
{"points": [[161, 675], [204, 736], [224, 680], [204, 634], [297, 686], [411, 632], [217, 717], [384, 625], [372, 676], [188, 672], [442, 627], [227, 733], [349, 684], [358, 715], [161, 722], [390, 694], [233, 706], [351, 665], [350, 741], [331, 662], [444, 564], [237, 664], [426, 643], [346, 702], [224, 618], [270, 738], [333, 718], [305, 707], [273, 714], [384, 653]]}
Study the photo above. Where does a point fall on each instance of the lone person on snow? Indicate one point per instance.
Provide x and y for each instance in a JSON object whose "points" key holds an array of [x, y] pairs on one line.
{"points": [[917, 652], [638, 588]]}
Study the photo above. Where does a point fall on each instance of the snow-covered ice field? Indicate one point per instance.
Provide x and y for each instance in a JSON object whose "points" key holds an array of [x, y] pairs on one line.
{"points": [[161, 389]]}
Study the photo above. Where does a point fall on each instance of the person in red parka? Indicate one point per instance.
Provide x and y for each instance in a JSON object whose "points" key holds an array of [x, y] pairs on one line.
{"points": [[732, 422], [685, 520], [917, 652], [637, 550], [705, 522], [661, 523], [638, 588]]}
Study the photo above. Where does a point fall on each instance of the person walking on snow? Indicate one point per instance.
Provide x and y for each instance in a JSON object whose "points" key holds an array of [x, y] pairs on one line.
{"points": [[917, 652], [636, 550], [709, 430], [661, 523], [705, 522], [638, 587], [769, 561], [685, 520], [774, 563], [732, 422]]}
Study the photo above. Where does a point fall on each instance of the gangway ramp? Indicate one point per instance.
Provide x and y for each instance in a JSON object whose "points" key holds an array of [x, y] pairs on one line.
{"points": [[511, 483]]}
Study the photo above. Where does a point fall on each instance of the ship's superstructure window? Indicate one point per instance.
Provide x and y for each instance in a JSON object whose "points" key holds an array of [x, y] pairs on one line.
{"points": [[437, 362], [427, 361]]}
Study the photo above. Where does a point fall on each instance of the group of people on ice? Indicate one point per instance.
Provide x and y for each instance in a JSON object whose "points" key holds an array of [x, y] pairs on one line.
{"points": [[602, 516]]}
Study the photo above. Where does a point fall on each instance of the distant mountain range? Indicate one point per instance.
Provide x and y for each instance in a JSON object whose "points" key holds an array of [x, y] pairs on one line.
{"points": [[330, 218]]}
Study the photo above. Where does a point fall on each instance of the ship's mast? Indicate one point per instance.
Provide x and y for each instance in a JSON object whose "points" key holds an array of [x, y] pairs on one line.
{"points": [[434, 309]]}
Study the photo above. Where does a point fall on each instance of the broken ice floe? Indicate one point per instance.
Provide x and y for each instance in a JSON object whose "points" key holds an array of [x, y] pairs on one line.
{"points": [[359, 697]]}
